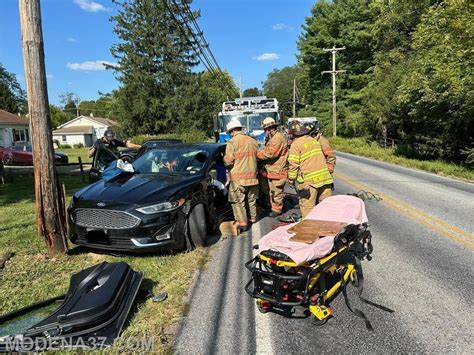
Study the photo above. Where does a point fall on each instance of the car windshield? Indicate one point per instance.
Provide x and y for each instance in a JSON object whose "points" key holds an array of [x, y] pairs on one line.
{"points": [[186, 161], [254, 120]]}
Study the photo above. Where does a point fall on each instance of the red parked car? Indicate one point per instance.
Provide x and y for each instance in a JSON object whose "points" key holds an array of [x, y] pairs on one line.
{"points": [[22, 154]]}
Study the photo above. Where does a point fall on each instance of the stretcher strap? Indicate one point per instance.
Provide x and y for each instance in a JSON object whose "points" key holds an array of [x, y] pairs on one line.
{"points": [[360, 277], [358, 312]]}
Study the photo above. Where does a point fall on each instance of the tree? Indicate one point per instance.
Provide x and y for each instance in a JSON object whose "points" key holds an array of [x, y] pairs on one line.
{"points": [[279, 84], [155, 56], [251, 92], [12, 96], [393, 29], [70, 102], [58, 117], [199, 100], [341, 23], [436, 94]]}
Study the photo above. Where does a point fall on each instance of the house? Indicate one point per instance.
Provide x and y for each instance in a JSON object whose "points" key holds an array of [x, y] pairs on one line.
{"points": [[13, 128], [83, 129]]}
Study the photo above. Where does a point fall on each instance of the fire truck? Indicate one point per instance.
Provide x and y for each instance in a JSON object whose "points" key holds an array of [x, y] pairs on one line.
{"points": [[250, 111]]}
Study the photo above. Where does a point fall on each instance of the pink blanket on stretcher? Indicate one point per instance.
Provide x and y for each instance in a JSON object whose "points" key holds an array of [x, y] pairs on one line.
{"points": [[339, 208]]}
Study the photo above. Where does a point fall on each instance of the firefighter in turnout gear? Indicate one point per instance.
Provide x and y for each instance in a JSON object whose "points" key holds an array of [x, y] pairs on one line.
{"points": [[275, 173], [241, 159], [307, 167], [329, 154]]}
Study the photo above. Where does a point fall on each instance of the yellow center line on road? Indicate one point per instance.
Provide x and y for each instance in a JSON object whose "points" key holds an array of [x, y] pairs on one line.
{"points": [[426, 219]]}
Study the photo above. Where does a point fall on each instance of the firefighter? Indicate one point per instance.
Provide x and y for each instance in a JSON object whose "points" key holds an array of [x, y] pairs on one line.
{"points": [[315, 132], [307, 167], [275, 172], [241, 159]]}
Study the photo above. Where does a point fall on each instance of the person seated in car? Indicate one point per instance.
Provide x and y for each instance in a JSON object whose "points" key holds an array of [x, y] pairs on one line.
{"points": [[109, 142]]}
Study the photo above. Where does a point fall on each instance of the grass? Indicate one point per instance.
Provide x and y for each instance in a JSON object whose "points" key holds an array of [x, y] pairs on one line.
{"points": [[74, 153], [372, 150], [31, 276]]}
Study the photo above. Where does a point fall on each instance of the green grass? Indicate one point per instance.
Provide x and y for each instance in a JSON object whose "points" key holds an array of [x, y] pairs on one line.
{"points": [[372, 150], [31, 276], [74, 153]]}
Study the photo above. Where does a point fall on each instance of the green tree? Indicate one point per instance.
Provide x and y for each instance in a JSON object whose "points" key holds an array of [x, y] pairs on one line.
{"points": [[436, 94], [12, 96], [70, 101], [279, 84], [251, 92], [346, 23], [199, 100], [58, 117], [395, 23], [155, 57]]}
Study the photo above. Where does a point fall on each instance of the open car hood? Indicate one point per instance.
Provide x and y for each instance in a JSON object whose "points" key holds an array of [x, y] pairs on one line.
{"points": [[92, 313]]}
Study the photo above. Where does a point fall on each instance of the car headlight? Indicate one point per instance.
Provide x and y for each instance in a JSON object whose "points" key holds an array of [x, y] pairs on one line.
{"points": [[161, 207]]}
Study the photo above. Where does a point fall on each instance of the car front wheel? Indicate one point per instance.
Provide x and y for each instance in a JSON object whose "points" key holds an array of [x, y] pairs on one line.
{"points": [[197, 226], [7, 160]]}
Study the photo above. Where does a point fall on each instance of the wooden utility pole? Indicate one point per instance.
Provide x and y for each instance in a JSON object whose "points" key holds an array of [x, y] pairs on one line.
{"points": [[294, 97], [49, 206], [333, 50]]}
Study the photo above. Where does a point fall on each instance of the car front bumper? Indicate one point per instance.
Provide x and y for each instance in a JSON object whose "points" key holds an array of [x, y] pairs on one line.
{"points": [[164, 232]]}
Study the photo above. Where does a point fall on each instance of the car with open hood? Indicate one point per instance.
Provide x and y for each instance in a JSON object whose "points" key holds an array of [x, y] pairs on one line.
{"points": [[175, 195]]}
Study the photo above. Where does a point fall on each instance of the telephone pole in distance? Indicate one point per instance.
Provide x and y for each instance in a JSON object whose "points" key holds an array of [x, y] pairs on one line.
{"points": [[333, 50]]}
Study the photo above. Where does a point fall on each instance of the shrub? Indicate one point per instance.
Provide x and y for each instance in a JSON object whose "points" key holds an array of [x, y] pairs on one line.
{"points": [[65, 146], [78, 145]]}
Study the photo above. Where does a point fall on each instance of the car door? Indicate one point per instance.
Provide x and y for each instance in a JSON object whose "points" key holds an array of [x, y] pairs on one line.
{"points": [[102, 158], [21, 155]]}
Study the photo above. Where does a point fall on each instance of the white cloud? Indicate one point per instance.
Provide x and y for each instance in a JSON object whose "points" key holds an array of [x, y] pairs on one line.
{"points": [[267, 57], [71, 39], [90, 65], [89, 5], [49, 76], [281, 26]]}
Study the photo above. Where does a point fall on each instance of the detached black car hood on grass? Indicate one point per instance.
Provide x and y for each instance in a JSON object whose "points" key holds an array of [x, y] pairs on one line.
{"points": [[138, 189], [92, 313]]}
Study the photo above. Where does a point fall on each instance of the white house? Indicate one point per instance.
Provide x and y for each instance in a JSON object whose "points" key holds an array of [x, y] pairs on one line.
{"points": [[13, 128], [83, 129]]}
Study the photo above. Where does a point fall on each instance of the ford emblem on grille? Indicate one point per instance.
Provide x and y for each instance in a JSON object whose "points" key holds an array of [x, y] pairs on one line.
{"points": [[101, 204]]}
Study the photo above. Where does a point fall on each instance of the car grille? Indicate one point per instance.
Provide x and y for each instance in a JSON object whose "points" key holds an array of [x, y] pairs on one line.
{"points": [[105, 219]]}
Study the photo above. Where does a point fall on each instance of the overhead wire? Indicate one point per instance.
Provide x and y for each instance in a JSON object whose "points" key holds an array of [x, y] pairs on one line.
{"points": [[207, 59], [203, 59]]}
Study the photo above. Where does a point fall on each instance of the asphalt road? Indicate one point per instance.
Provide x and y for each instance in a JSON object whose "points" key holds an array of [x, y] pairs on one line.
{"points": [[422, 268]]}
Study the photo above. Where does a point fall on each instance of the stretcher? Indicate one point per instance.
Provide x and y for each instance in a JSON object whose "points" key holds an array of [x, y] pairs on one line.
{"points": [[288, 274]]}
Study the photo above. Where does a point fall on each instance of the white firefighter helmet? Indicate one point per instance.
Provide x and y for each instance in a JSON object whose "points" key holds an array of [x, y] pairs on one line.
{"points": [[268, 122], [233, 123]]}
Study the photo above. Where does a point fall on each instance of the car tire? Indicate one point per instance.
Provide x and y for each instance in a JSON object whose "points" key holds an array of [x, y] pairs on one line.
{"points": [[7, 160], [198, 226]]}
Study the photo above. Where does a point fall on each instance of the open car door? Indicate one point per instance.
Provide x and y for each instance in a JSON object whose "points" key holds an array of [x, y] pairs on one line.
{"points": [[102, 158]]}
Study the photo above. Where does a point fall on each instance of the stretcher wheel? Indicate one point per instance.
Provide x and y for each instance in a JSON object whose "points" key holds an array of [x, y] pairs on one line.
{"points": [[263, 308], [318, 322]]}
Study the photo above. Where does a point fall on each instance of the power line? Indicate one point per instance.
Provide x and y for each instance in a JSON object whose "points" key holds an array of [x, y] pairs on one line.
{"points": [[204, 60], [201, 34], [207, 59]]}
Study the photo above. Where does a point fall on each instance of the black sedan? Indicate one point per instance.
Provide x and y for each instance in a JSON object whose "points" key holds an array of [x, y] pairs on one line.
{"points": [[174, 197]]}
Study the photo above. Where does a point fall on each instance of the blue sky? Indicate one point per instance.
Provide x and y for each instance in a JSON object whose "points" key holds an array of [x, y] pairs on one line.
{"points": [[247, 37]]}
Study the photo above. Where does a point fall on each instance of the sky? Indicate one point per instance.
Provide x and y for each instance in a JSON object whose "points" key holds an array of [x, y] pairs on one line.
{"points": [[249, 38]]}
